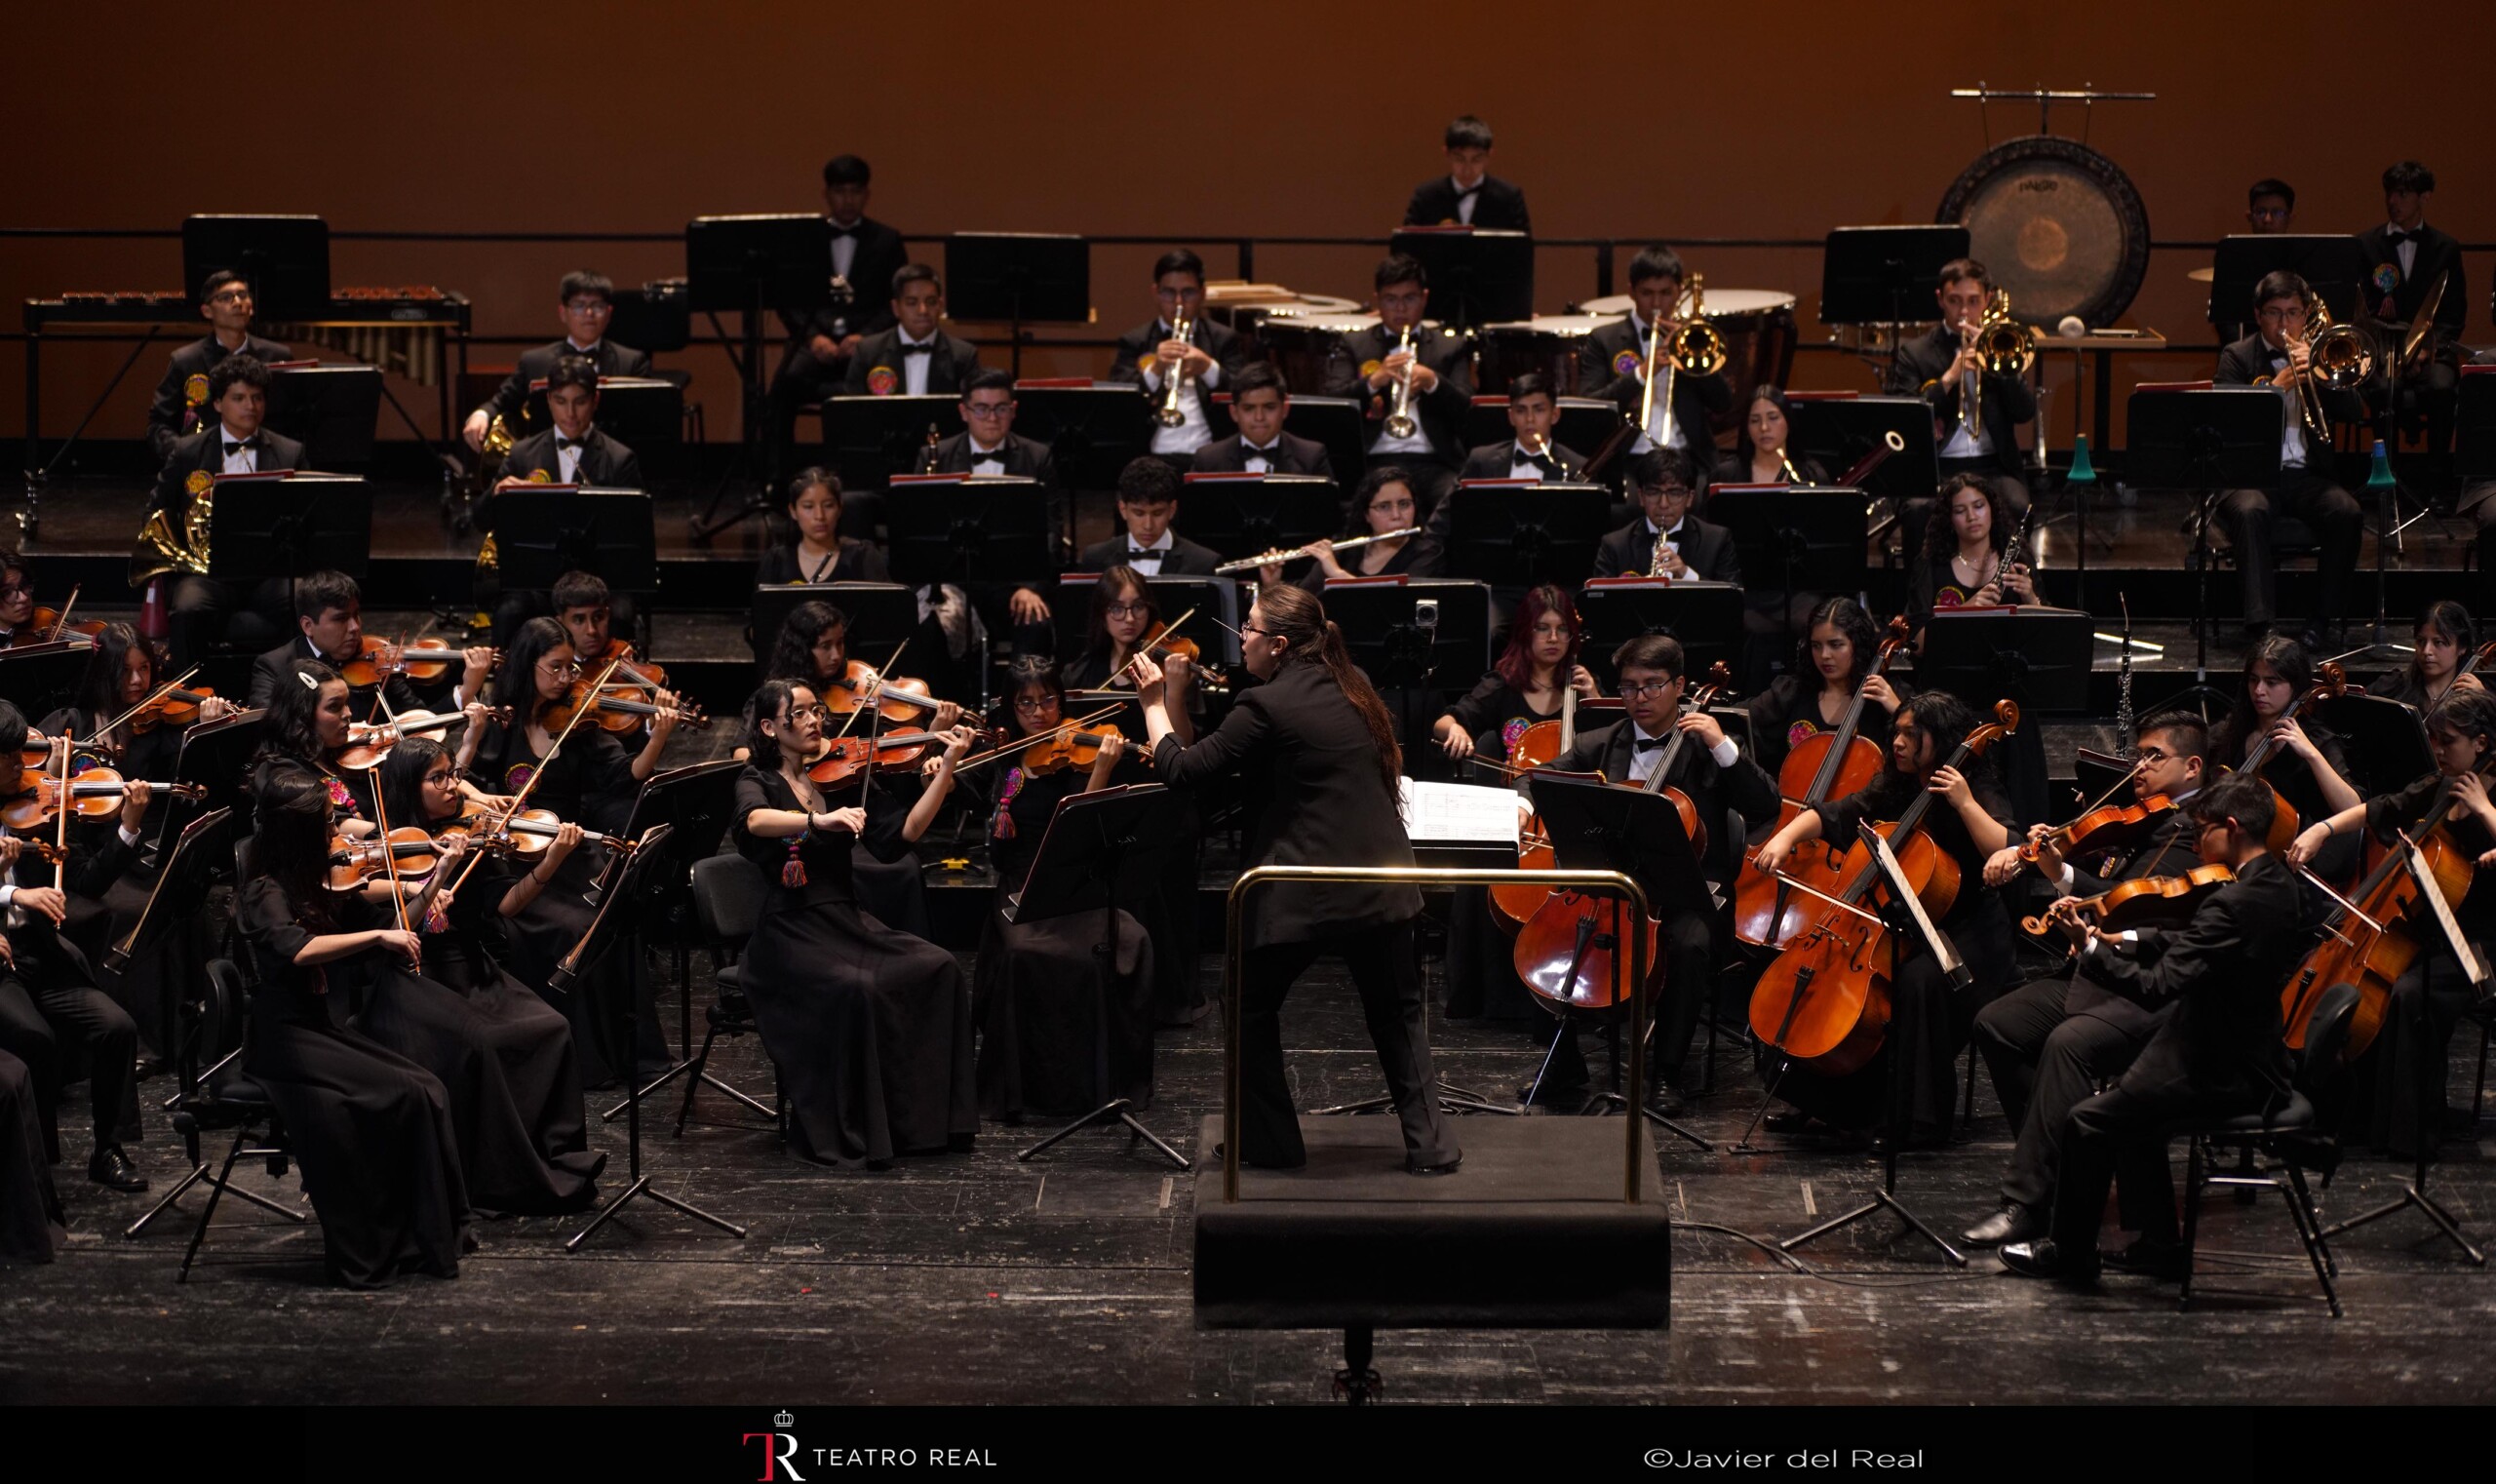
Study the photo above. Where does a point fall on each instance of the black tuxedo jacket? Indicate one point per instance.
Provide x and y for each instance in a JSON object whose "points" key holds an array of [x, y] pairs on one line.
{"points": [[1311, 795], [2245, 362], [2438, 253], [1185, 559], [949, 365], [1442, 409], [2007, 401], [538, 364], [276, 668], [2169, 852], [1292, 455], [1709, 549], [1745, 787], [880, 256], [197, 358], [1599, 359], [205, 449], [1494, 460], [1217, 339], [1501, 207], [2222, 971], [606, 462]]}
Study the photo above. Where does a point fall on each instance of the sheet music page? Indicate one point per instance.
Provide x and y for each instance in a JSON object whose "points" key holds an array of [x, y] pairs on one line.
{"points": [[1459, 811]]}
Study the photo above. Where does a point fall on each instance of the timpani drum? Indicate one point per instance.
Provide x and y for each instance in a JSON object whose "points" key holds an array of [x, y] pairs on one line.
{"points": [[1301, 343], [1757, 326], [1546, 343]]}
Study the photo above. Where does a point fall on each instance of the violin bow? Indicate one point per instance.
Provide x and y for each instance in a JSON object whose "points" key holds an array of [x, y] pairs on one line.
{"points": [[1060, 729], [520, 801], [60, 625], [60, 824], [1145, 648], [153, 696], [390, 861], [874, 688]]}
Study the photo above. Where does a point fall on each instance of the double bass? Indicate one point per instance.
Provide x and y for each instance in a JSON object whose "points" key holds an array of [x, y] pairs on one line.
{"points": [[1566, 952], [1824, 1002], [1824, 765]]}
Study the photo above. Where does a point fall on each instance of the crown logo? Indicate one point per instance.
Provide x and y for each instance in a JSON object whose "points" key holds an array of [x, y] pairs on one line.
{"points": [[784, 1418]]}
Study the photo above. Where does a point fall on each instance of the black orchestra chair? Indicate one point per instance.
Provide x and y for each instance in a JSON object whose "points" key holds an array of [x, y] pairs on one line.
{"points": [[226, 1097], [2285, 1137], [728, 902]]}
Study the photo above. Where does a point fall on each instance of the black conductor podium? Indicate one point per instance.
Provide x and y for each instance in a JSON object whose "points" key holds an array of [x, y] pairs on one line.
{"points": [[1477, 276], [543, 531], [1516, 535], [1242, 515], [278, 522]]}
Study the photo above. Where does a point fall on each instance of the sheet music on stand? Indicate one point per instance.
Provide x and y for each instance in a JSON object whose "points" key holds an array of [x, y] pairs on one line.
{"points": [[1459, 813]]}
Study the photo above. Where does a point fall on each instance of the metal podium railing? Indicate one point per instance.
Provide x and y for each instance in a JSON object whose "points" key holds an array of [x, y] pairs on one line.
{"points": [[1604, 883]]}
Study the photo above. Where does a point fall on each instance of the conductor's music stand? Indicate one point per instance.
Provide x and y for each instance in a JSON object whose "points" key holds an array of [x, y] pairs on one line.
{"points": [[974, 530], [2332, 265], [1100, 847], [1477, 276], [866, 440], [1598, 826], [1021, 277], [286, 260], [752, 267], [2209, 440], [880, 614], [1240, 515], [333, 411], [264, 524], [617, 929], [1093, 429], [1516, 536], [545, 532], [1404, 636], [1705, 616]]}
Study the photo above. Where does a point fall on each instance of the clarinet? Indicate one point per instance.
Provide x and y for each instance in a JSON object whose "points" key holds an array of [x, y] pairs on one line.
{"points": [[2124, 744]]}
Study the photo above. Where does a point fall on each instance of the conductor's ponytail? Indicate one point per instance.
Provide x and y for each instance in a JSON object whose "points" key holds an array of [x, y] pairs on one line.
{"points": [[1296, 616]]}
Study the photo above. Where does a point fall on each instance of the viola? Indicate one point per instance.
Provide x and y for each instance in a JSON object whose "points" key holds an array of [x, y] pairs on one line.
{"points": [[613, 713], [2285, 824], [1824, 765], [94, 794], [408, 853], [1569, 950], [2110, 827], [846, 757], [1825, 1001], [1066, 747], [368, 743], [2150, 901]]}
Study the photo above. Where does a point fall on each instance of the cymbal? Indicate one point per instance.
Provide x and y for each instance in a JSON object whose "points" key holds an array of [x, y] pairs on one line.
{"points": [[2203, 275]]}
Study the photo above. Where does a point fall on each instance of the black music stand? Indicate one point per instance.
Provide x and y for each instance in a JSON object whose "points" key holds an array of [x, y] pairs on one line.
{"points": [[1705, 616], [1873, 275], [217, 757], [1518, 536], [1093, 430], [866, 440], [301, 524], [1597, 826], [1812, 536], [42, 676], [2332, 265], [879, 613], [978, 531], [752, 267], [2038, 656], [692, 804], [286, 259], [542, 536], [2474, 425], [615, 930], [333, 411], [642, 413], [2209, 440], [1021, 277], [1099, 846], [1583, 424], [1403, 635], [1337, 423], [2384, 740], [1240, 515], [1477, 276], [657, 316], [1841, 432]]}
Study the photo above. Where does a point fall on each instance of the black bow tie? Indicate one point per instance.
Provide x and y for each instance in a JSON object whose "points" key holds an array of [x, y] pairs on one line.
{"points": [[2395, 236], [925, 348], [1541, 462], [1268, 454], [1650, 744], [995, 455], [232, 448], [838, 232], [1470, 190], [562, 442], [1138, 553]]}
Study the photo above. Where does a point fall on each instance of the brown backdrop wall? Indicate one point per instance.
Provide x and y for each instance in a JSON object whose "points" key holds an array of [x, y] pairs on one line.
{"points": [[1283, 118]]}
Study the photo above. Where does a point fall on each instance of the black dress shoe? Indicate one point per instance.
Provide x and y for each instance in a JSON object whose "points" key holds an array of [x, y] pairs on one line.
{"points": [[1445, 1167], [2147, 1259], [109, 1166], [1786, 1121], [1667, 1102], [2042, 1259], [2013, 1222]]}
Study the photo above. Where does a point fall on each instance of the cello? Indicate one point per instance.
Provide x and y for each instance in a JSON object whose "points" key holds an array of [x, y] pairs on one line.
{"points": [[1568, 951], [1824, 1002], [1825, 765], [2285, 824], [1540, 745]]}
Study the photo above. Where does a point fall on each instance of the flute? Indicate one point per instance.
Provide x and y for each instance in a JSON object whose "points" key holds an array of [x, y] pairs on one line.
{"points": [[1285, 554]]}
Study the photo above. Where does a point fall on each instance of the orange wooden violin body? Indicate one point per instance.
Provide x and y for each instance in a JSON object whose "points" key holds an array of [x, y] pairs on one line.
{"points": [[2150, 901], [899, 699], [1825, 1001], [847, 757], [610, 711], [2372, 958], [2110, 827], [41, 628], [1065, 748], [380, 658], [368, 743], [94, 794], [409, 852], [172, 708], [1824, 765]]}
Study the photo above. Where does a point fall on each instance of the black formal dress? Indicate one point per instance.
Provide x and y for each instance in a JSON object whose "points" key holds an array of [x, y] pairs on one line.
{"points": [[1929, 1021], [170, 416], [1608, 365], [880, 367], [2004, 403], [2293, 780], [1169, 916], [1288, 454], [1499, 206], [372, 1130], [1312, 796], [1787, 713], [1631, 551], [856, 561], [53, 1017], [200, 610], [871, 1027], [537, 365], [2053, 1042], [276, 668], [2307, 489], [1441, 410], [2216, 1055], [1482, 980], [1054, 1039], [1419, 557], [30, 1218]]}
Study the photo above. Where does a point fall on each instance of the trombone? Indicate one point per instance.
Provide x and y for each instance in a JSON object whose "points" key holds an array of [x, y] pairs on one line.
{"points": [[2337, 359], [2005, 349], [1399, 419], [1694, 349], [1170, 414]]}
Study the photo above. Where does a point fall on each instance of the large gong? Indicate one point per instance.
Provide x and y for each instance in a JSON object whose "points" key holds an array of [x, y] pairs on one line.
{"points": [[2056, 224]]}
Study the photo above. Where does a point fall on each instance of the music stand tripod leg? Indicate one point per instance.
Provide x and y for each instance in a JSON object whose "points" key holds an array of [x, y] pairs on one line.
{"points": [[1105, 961]]}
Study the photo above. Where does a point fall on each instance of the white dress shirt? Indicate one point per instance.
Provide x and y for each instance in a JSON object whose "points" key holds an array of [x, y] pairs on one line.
{"points": [[1642, 764], [1262, 460], [245, 461], [2292, 427], [1149, 564], [913, 369], [987, 461], [1466, 198], [568, 462], [845, 249], [1194, 432]]}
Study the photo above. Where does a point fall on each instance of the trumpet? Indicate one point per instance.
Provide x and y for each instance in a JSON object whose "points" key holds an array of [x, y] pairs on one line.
{"points": [[1170, 414], [1286, 553], [1695, 349], [1399, 419], [2337, 359]]}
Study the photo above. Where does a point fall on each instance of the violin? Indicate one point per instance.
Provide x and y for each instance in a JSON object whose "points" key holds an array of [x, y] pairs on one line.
{"points": [[614, 713], [408, 853], [1824, 765], [641, 674], [368, 743], [1825, 1001], [2285, 824], [2109, 827], [1570, 949], [50, 626], [94, 794], [861, 685], [176, 707], [847, 757], [1159, 642], [380, 658], [2150, 901], [1068, 747], [528, 833]]}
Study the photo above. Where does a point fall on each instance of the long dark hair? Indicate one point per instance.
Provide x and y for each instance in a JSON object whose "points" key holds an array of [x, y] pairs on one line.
{"points": [[2294, 665], [291, 837], [1356, 521], [515, 678], [1745, 451], [99, 687], [793, 653], [768, 701], [2450, 619], [1941, 537], [1292, 614], [1029, 669], [1114, 584], [402, 782], [1859, 631], [1515, 664], [292, 731], [1945, 720], [2467, 713]]}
